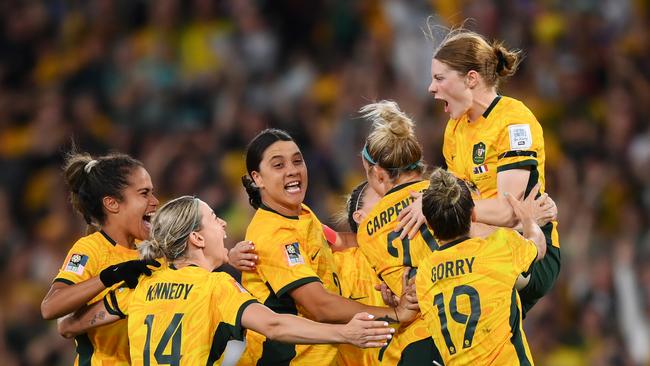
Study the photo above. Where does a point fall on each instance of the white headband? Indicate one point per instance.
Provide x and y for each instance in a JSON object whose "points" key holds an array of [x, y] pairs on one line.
{"points": [[90, 165]]}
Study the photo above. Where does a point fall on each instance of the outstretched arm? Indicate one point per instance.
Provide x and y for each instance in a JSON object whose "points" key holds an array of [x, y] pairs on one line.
{"points": [[331, 308], [361, 331], [63, 299], [84, 319]]}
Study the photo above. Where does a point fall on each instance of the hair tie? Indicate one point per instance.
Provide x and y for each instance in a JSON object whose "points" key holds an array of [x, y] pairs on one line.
{"points": [[501, 61], [90, 165], [413, 166]]}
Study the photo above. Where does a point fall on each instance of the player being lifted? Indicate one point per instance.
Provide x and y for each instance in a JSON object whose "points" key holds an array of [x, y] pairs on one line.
{"points": [[184, 312], [465, 289], [492, 141]]}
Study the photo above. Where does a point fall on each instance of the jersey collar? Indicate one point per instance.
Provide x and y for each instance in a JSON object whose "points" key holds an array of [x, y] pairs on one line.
{"points": [[491, 106], [110, 240], [267, 208], [398, 187], [453, 242]]}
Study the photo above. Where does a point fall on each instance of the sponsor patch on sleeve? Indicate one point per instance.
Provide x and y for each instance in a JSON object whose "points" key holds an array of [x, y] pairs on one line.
{"points": [[520, 137], [292, 252], [77, 264]]}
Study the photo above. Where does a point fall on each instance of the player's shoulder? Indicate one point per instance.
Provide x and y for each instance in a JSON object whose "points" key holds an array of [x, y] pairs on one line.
{"points": [[504, 236], [514, 111], [226, 282], [92, 243], [267, 223]]}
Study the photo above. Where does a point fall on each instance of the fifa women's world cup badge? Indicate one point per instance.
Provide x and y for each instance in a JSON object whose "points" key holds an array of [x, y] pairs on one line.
{"points": [[292, 252], [77, 263]]}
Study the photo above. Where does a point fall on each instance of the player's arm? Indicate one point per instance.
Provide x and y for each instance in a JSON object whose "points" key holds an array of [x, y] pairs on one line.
{"points": [[523, 210], [64, 298], [331, 308], [84, 319], [361, 331], [339, 241], [497, 211]]}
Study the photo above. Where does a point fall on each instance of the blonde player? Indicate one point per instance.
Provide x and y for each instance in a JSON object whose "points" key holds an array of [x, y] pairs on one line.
{"points": [[466, 288], [185, 314], [392, 160], [296, 272], [492, 141], [114, 194]]}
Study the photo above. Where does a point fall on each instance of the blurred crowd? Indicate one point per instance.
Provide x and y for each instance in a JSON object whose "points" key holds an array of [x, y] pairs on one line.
{"points": [[183, 85]]}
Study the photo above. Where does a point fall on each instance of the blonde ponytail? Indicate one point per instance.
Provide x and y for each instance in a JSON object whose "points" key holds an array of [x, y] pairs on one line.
{"points": [[391, 144], [150, 249]]}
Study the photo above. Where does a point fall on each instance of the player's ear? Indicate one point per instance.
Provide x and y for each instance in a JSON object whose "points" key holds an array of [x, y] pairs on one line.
{"points": [[257, 178], [111, 204], [196, 239], [473, 215], [358, 216], [382, 174], [472, 79]]}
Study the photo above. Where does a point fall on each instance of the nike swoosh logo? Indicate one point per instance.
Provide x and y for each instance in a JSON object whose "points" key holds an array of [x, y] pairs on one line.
{"points": [[315, 254], [357, 298]]}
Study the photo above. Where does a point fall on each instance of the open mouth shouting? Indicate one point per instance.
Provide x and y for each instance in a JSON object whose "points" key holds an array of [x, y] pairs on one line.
{"points": [[293, 187], [146, 220]]}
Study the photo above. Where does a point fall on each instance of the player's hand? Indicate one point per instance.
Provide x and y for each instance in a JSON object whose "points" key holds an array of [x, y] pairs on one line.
{"points": [[526, 208], [411, 295], [128, 271], [545, 210], [411, 217], [243, 256], [365, 332], [408, 308], [390, 299]]}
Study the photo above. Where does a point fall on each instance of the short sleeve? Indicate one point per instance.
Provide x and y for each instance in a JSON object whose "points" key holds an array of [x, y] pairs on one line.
{"points": [[117, 301], [82, 262], [520, 144], [283, 262], [524, 251], [233, 301]]}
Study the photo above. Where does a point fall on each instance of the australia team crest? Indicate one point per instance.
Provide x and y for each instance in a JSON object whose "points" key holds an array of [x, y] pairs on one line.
{"points": [[478, 153]]}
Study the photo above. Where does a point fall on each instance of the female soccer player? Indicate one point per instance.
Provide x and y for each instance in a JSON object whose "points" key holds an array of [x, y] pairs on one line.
{"points": [[357, 278], [187, 312], [392, 159], [295, 272], [466, 287], [114, 194], [493, 141]]}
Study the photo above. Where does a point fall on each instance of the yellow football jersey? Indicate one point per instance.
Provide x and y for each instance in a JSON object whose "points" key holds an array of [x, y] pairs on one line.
{"points": [[181, 316], [358, 282], [292, 251], [388, 256], [466, 294], [507, 136], [87, 257]]}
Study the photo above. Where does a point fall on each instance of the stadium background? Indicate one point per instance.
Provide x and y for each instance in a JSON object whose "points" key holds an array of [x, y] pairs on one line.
{"points": [[183, 85]]}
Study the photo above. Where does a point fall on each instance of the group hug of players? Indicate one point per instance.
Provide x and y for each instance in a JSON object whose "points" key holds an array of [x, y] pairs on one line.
{"points": [[438, 268]]}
